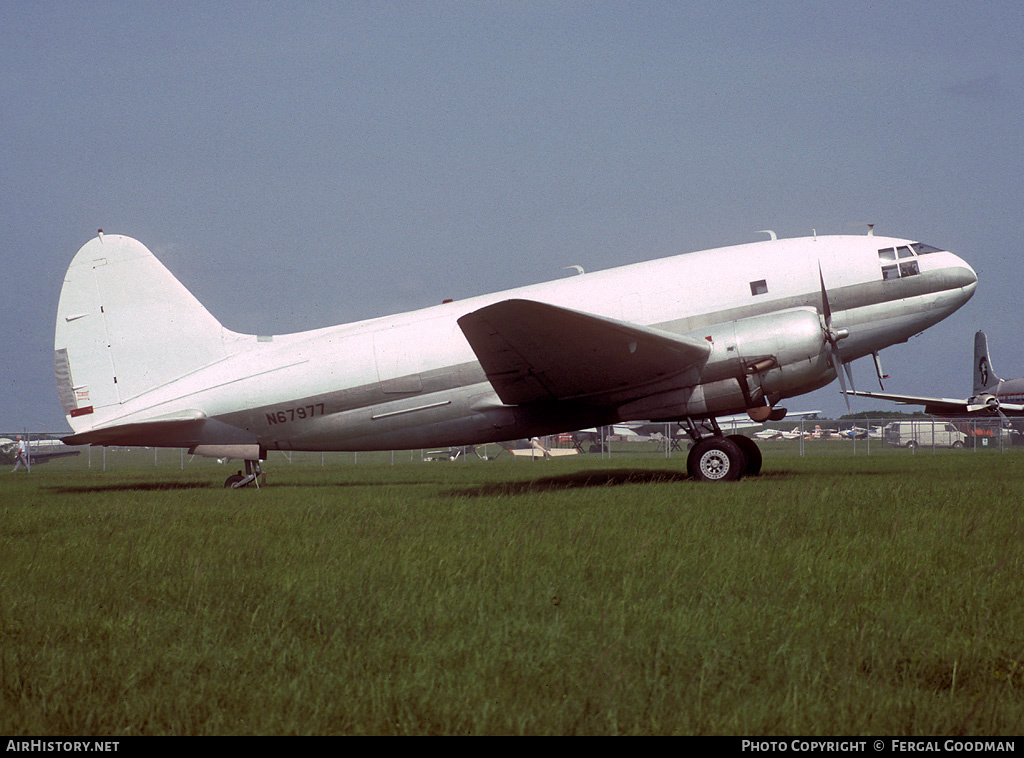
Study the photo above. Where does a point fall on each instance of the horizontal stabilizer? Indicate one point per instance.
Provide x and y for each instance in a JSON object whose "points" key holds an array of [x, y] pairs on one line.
{"points": [[535, 352], [180, 430]]}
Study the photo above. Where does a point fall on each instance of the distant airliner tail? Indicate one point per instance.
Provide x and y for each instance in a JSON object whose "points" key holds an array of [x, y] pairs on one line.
{"points": [[985, 379], [125, 326]]}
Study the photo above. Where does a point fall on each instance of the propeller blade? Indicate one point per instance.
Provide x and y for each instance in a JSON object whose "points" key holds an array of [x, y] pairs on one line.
{"points": [[849, 374], [826, 309], [841, 368], [832, 340]]}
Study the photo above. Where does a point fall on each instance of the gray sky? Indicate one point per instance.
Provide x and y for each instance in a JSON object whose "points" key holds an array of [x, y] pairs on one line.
{"points": [[301, 164]]}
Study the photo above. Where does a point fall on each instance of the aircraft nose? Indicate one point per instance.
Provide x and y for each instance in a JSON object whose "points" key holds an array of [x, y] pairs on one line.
{"points": [[964, 276]]}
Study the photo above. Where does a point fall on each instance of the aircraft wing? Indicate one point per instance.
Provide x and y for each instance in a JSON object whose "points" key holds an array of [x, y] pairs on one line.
{"points": [[934, 405], [949, 407], [535, 352]]}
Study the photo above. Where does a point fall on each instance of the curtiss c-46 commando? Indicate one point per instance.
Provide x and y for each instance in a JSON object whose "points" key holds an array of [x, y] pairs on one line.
{"points": [[139, 361]]}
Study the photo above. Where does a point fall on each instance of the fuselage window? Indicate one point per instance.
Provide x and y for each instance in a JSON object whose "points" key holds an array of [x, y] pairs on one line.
{"points": [[759, 287], [909, 268], [921, 249]]}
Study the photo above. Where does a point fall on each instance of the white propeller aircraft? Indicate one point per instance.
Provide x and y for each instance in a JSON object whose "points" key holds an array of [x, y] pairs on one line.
{"points": [[139, 361]]}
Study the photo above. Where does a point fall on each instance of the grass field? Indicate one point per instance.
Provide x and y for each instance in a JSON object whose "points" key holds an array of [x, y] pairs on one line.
{"points": [[832, 595]]}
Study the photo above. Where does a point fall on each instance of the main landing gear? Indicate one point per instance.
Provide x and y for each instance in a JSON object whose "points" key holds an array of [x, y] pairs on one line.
{"points": [[720, 458], [253, 475]]}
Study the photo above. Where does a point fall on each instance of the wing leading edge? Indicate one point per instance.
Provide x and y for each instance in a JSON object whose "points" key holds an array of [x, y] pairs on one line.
{"points": [[535, 352]]}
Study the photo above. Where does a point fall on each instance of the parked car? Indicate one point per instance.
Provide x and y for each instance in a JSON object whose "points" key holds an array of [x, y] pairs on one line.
{"points": [[923, 433]]}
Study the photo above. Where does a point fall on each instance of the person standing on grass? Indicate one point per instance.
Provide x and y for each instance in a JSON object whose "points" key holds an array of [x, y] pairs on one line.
{"points": [[21, 457]]}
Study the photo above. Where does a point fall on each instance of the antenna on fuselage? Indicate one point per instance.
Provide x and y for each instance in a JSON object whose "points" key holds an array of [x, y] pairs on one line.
{"points": [[769, 232], [871, 230]]}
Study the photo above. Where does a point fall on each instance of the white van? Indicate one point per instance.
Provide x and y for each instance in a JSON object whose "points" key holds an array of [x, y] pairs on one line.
{"points": [[924, 434]]}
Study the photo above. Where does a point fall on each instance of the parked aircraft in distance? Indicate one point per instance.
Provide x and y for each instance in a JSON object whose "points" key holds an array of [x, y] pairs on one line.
{"points": [[992, 396], [536, 448], [139, 361], [734, 422], [861, 433], [778, 434], [818, 433], [39, 451]]}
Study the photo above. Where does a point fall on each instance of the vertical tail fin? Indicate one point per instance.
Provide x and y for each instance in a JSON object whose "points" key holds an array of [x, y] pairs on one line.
{"points": [[125, 326], [985, 379]]}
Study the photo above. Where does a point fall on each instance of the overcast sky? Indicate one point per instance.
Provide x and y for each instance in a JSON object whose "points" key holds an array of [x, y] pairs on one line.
{"points": [[302, 164]]}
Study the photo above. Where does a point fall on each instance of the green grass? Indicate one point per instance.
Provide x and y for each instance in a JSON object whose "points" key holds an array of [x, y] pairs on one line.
{"points": [[832, 595]]}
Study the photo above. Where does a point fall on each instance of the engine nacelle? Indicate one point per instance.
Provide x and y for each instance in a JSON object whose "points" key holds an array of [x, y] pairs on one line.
{"points": [[754, 362], [778, 353]]}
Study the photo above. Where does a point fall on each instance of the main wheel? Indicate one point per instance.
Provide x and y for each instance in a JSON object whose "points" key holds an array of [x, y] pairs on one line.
{"points": [[233, 479], [716, 459], [751, 450]]}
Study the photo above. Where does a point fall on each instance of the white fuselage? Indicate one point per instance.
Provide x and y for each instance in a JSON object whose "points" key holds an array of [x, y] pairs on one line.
{"points": [[412, 380]]}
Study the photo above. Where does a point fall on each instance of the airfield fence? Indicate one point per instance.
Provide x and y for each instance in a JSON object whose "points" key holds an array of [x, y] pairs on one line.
{"points": [[806, 437]]}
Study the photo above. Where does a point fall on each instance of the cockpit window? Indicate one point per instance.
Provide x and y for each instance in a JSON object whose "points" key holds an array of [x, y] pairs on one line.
{"points": [[909, 268], [922, 249], [897, 262]]}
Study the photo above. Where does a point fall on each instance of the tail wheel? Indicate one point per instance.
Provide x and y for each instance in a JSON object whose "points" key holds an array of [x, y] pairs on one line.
{"points": [[716, 459]]}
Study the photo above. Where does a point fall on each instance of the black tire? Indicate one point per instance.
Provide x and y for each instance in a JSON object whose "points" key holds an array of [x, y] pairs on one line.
{"points": [[716, 459], [911, 445], [751, 451], [233, 479], [957, 444]]}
